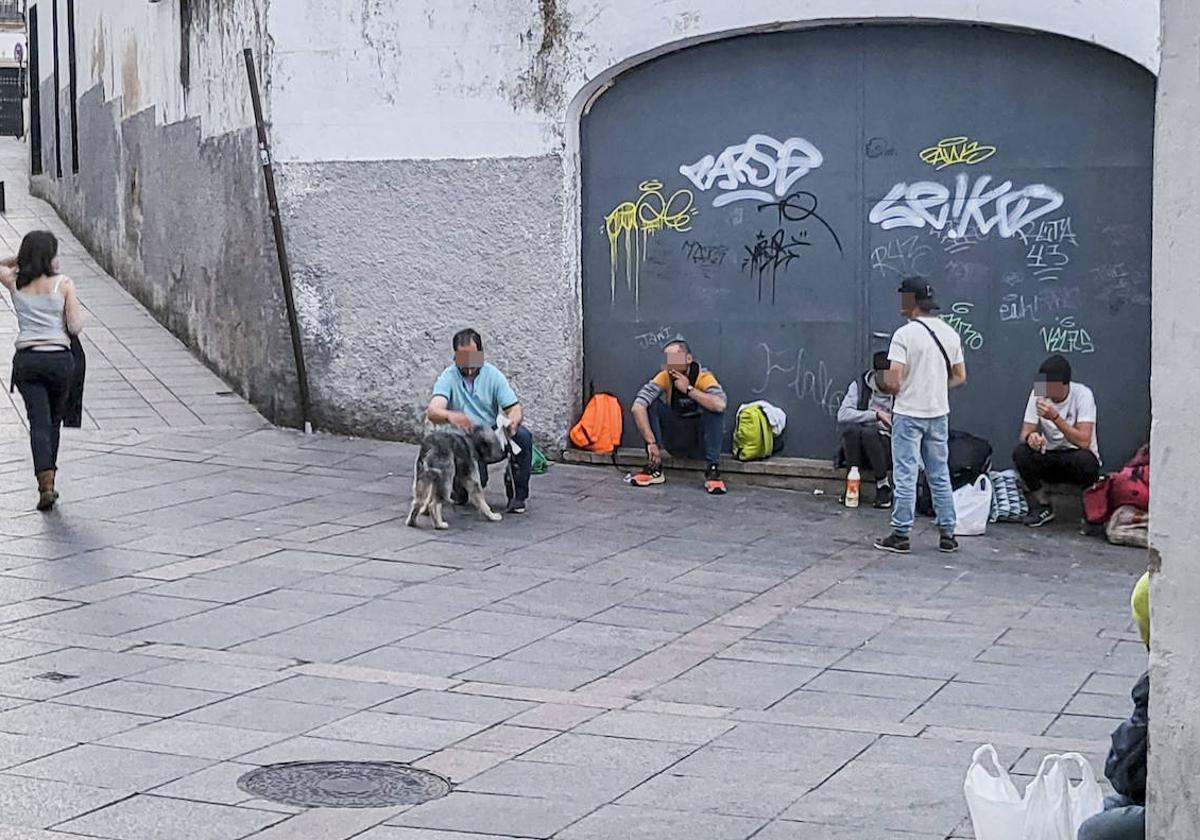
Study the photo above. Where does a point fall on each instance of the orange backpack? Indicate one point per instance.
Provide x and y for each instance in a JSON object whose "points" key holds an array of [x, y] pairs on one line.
{"points": [[599, 429]]}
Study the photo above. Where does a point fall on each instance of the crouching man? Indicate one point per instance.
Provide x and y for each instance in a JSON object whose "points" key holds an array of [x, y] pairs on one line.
{"points": [[1058, 438], [472, 392], [865, 421], [681, 411]]}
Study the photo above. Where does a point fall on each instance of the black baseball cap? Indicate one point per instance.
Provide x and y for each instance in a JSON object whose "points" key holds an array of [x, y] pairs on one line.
{"points": [[921, 290]]}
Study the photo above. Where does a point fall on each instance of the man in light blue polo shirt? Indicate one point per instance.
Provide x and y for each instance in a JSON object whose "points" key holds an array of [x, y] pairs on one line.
{"points": [[471, 393]]}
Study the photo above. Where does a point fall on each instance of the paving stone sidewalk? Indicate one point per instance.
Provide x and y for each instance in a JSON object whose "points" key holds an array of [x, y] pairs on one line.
{"points": [[216, 596]]}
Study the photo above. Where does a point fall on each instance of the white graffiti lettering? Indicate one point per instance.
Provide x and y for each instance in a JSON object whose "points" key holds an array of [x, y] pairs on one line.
{"points": [[806, 383], [1045, 241], [957, 318], [969, 208], [903, 257], [746, 171], [1049, 301], [1067, 337], [654, 339]]}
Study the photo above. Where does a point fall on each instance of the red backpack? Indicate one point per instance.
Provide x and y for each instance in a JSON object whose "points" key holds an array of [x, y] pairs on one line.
{"points": [[1130, 486]]}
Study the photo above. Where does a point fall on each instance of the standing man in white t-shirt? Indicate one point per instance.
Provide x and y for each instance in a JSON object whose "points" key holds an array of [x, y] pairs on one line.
{"points": [[1058, 440], [926, 362]]}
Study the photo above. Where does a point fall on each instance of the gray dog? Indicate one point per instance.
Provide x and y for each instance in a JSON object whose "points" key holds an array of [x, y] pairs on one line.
{"points": [[451, 460]]}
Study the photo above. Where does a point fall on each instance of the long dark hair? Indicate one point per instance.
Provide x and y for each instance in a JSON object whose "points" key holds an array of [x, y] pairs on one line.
{"points": [[36, 257]]}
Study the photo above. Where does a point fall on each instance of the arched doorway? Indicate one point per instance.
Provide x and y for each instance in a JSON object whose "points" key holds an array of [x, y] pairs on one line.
{"points": [[763, 195]]}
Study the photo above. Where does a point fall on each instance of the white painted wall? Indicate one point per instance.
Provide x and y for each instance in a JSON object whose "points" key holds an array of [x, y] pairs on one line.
{"points": [[1174, 784], [133, 47], [436, 79], [8, 43]]}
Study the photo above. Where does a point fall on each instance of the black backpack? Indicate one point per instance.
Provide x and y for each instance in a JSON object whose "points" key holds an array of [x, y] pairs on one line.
{"points": [[970, 457]]}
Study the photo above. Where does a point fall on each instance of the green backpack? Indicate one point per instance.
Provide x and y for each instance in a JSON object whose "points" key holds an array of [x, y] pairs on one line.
{"points": [[540, 464], [753, 439]]}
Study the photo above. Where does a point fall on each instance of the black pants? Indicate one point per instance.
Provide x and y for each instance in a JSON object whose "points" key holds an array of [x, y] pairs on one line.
{"points": [[1058, 466], [866, 446], [522, 467], [44, 380]]}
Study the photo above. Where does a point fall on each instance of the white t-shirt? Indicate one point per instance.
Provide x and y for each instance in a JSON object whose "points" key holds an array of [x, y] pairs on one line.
{"points": [[925, 391], [1078, 407]]}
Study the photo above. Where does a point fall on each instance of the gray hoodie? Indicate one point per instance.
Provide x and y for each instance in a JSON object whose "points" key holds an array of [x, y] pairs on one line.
{"points": [[848, 413]]}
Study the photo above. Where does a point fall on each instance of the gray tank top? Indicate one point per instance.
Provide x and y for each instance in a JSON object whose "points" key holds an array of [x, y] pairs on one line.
{"points": [[41, 318]]}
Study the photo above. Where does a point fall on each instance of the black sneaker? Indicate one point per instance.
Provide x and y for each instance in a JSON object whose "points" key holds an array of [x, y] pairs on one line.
{"points": [[883, 497], [895, 543], [1039, 515], [947, 544], [516, 506]]}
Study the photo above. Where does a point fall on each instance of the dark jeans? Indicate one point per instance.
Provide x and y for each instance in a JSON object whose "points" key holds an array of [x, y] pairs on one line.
{"points": [[866, 446], [688, 437], [522, 465], [44, 380], [1061, 466]]}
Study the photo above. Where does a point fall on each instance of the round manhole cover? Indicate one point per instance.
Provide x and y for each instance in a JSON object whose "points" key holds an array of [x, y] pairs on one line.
{"points": [[344, 784]]}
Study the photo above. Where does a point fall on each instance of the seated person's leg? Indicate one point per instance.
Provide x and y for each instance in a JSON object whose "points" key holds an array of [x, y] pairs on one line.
{"points": [[852, 445], [878, 450], [1071, 466], [1031, 466], [655, 414], [522, 463], [712, 431], [1128, 823]]}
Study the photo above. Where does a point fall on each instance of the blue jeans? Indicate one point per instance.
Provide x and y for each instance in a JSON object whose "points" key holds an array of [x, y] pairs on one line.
{"points": [[926, 438], [711, 429], [1120, 820], [522, 465]]}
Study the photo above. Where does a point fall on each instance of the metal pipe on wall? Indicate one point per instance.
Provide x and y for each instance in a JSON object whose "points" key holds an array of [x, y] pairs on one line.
{"points": [[285, 272]]}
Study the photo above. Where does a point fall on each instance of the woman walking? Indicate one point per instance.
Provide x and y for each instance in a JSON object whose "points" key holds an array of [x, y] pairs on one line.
{"points": [[48, 314]]}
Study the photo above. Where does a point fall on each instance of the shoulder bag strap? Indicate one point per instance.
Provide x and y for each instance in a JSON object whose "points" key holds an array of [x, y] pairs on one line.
{"points": [[937, 341]]}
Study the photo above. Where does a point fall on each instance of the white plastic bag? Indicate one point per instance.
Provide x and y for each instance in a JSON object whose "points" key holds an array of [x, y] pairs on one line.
{"points": [[1051, 809], [973, 507], [997, 810]]}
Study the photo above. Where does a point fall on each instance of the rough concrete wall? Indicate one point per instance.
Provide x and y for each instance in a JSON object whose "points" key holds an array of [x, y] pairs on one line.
{"points": [[182, 222], [169, 196], [1174, 787], [392, 258]]}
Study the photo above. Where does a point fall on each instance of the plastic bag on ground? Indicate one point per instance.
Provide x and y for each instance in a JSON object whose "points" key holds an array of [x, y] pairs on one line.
{"points": [[973, 507], [1052, 808]]}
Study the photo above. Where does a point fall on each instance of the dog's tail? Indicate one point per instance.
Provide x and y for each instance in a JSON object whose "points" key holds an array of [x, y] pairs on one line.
{"points": [[428, 470]]}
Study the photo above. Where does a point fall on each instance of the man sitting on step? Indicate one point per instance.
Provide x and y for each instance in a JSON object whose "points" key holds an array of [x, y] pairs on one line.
{"points": [[1058, 439], [681, 410], [865, 421]]}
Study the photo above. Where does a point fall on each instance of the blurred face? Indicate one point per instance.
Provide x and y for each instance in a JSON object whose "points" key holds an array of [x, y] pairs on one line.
{"points": [[1053, 391], [908, 302], [677, 359], [468, 360]]}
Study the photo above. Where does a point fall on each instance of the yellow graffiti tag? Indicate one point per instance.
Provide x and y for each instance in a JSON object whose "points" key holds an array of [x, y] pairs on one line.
{"points": [[631, 224], [954, 150]]}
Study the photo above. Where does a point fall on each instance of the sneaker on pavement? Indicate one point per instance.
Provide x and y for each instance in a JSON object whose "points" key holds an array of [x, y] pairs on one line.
{"points": [[516, 506], [883, 497], [651, 475], [895, 543], [947, 544], [712, 481], [1039, 515]]}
